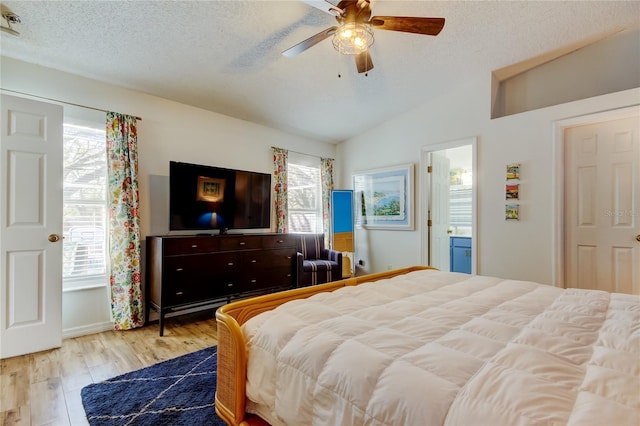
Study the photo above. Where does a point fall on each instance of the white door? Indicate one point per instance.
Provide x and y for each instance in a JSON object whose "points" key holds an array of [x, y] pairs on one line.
{"points": [[31, 226], [439, 211], [602, 206]]}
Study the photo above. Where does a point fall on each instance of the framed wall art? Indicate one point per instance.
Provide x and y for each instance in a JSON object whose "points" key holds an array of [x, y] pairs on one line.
{"points": [[512, 192], [512, 212], [513, 171], [384, 197]]}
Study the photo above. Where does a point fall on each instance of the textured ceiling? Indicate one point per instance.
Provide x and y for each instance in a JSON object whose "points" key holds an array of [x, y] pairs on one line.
{"points": [[224, 56]]}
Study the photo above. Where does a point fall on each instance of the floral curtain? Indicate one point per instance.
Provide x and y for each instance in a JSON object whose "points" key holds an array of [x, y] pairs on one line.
{"points": [[280, 157], [326, 176], [124, 223]]}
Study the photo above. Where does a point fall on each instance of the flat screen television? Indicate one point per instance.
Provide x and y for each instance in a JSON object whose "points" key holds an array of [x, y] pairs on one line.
{"points": [[206, 197]]}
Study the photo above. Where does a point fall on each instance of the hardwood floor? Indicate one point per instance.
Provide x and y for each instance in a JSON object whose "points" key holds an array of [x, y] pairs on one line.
{"points": [[44, 388]]}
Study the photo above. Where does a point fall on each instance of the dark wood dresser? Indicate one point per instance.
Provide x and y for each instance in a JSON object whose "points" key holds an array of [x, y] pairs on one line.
{"points": [[187, 272]]}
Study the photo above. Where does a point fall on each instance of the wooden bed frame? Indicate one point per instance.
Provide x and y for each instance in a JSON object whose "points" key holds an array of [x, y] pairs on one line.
{"points": [[232, 354]]}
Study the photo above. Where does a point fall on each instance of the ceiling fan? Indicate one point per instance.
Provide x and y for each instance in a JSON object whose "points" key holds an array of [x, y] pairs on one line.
{"points": [[354, 33]]}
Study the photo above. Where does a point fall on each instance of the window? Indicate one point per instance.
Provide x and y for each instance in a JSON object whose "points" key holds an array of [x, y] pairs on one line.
{"points": [[304, 193], [84, 206]]}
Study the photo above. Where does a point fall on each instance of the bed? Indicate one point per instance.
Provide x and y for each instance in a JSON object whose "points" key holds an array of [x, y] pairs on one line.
{"points": [[420, 346]]}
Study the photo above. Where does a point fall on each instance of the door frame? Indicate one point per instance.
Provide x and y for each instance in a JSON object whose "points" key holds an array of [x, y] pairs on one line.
{"points": [[558, 179], [425, 194]]}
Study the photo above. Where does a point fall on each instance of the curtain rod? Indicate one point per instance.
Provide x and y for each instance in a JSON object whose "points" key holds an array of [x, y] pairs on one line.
{"points": [[59, 101], [301, 153]]}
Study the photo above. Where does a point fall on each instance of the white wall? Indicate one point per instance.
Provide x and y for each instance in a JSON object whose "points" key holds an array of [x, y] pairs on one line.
{"points": [[520, 250], [168, 131], [173, 131]]}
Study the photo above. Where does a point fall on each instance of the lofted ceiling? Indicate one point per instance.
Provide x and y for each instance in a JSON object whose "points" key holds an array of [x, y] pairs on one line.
{"points": [[225, 56]]}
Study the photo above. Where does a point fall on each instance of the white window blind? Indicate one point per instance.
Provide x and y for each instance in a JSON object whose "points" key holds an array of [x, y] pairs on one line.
{"points": [[304, 193], [84, 206]]}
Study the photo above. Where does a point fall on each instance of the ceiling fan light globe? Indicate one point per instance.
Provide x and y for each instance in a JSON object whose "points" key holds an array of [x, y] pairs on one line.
{"points": [[353, 38], [346, 33]]}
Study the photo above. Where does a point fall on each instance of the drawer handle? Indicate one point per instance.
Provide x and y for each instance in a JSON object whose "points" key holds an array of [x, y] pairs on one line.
{"points": [[288, 257], [179, 293], [253, 261], [280, 241], [242, 243], [229, 284], [194, 246], [230, 264], [179, 269], [254, 281]]}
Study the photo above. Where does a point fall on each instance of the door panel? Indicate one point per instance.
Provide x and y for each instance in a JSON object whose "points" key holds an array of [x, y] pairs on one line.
{"points": [[24, 266], [602, 206], [31, 211], [439, 211], [622, 270], [586, 196]]}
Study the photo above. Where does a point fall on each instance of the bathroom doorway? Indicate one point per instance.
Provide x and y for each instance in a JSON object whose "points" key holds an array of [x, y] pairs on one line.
{"points": [[448, 210]]}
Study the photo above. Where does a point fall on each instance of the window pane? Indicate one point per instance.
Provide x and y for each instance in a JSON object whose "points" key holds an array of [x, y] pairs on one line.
{"points": [[304, 195], [303, 198], [85, 163], [303, 221], [461, 205], [84, 239], [84, 208]]}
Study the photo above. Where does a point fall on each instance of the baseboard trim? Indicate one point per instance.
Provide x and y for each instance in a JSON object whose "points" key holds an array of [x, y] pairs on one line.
{"points": [[98, 327]]}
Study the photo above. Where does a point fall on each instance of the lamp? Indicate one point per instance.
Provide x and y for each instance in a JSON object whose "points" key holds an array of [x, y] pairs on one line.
{"points": [[352, 38]]}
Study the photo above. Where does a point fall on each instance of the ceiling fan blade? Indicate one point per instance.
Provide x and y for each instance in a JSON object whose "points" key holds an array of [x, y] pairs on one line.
{"points": [[364, 8], [428, 26], [310, 42], [324, 6], [363, 62]]}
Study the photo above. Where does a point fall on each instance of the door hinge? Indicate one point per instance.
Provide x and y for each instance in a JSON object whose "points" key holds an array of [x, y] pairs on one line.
{"points": [[429, 223], [429, 169]]}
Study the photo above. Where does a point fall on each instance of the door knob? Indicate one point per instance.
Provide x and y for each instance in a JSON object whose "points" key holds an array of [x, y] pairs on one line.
{"points": [[55, 237], [637, 237]]}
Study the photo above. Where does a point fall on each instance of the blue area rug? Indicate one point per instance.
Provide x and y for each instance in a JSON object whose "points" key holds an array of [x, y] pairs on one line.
{"points": [[179, 391]]}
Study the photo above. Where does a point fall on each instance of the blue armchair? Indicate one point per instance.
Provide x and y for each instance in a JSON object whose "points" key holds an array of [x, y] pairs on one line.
{"points": [[316, 264]]}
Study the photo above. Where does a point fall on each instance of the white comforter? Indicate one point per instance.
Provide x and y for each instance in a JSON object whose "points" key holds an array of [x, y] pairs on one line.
{"points": [[433, 348]]}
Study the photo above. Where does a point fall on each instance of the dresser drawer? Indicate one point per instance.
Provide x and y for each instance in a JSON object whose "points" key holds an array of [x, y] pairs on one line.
{"points": [[181, 246], [186, 281], [241, 242], [267, 258], [279, 277], [262, 278], [176, 267], [276, 241], [185, 292]]}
